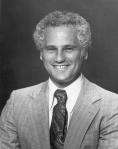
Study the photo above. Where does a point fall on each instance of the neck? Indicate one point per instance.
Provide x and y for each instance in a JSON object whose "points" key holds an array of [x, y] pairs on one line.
{"points": [[62, 84]]}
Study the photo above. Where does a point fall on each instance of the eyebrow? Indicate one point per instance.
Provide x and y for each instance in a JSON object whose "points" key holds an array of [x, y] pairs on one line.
{"points": [[50, 46], [65, 46], [69, 46]]}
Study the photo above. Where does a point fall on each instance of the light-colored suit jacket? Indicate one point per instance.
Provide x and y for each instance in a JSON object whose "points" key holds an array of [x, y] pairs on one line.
{"points": [[24, 123]]}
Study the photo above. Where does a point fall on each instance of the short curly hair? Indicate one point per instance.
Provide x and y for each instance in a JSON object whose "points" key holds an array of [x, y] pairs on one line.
{"points": [[59, 18]]}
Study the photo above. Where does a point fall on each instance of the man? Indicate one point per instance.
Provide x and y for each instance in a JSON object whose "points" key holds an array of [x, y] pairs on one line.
{"points": [[67, 111]]}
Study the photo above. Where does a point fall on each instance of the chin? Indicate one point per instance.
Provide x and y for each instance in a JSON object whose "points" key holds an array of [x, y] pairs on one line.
{"points": [[61, 82], [60, 78]]}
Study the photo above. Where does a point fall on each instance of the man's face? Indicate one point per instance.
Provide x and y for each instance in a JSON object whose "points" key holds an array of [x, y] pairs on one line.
{"points": [[62, 56]]}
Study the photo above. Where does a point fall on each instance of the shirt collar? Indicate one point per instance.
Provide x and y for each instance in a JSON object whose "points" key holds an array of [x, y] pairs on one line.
{"points": [[72, 96], [73, 91], [52, 89]]}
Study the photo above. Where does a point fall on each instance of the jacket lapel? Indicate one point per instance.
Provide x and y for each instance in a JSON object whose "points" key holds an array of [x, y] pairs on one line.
{"points": [[84, 112], [41, 117]]}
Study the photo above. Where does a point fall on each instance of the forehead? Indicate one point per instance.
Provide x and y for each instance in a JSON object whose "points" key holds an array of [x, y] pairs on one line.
{"points": [[61, 35]]}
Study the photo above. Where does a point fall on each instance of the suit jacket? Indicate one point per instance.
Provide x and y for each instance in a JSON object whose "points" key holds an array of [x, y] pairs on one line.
{"points": [[24, 123]]}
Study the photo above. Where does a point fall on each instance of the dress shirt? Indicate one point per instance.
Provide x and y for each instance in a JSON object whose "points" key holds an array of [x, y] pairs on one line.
{"points": [[72, 91]]}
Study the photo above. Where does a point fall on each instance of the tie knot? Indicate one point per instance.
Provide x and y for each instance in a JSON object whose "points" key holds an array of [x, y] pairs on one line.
{"points": [[61, 96]]}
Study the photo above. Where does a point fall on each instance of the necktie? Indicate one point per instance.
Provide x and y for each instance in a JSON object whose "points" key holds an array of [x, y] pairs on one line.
{"points": [[59, 122]]}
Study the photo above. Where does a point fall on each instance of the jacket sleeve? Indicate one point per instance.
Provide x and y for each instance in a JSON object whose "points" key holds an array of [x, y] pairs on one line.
{"points": [[109, 127], [8, 130]]}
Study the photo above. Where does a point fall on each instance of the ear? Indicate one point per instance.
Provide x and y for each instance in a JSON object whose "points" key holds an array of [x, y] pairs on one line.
{"points": [[84, 53], [41, 56]]}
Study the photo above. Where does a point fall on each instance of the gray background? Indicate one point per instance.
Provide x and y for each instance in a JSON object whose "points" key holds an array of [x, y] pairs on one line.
{"points": [[19, 60]]}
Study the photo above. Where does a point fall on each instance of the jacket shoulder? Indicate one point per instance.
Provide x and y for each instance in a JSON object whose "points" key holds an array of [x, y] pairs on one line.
{"points": [[21, 98], [29, 91], [109, 99], [104, 92]]}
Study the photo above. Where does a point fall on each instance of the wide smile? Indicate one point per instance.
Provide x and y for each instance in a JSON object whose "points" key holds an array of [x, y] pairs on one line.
{"points": [[60, 67]]}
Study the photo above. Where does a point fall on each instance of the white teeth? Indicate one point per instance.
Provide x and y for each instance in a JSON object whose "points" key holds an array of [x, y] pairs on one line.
{"points": [[60, 67]]}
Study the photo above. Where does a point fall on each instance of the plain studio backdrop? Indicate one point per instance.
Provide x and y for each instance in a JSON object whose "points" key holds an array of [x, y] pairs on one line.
{"points": [[20, 64]]}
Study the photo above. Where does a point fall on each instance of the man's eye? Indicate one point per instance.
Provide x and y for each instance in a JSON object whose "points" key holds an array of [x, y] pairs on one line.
{"points": [[50, 49], [69, 49]]}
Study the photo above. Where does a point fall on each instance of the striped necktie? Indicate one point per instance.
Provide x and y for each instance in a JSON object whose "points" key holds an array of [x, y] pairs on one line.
{"points": [[59, 122]]}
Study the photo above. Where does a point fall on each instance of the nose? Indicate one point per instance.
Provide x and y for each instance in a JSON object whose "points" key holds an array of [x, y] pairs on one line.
{"points": [[60, 56]]}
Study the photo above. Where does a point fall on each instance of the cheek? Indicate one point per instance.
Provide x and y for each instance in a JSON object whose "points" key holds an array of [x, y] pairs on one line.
{"points": [[47, 60], [45, 57], [76, 58]]}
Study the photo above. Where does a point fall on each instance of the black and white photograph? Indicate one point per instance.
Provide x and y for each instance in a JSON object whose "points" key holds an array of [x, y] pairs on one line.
{"points": [[58, 74]]}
